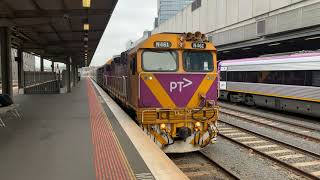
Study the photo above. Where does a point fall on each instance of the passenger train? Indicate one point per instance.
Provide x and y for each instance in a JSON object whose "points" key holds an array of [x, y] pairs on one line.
{"points": [[169, 82], [287, 83]]}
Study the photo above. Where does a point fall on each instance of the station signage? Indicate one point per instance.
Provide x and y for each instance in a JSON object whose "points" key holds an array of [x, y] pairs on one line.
{"points": [[162, 44], [198, 45]]}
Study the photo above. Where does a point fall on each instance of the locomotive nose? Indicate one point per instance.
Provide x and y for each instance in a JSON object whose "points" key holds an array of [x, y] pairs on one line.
{"points": [[183, 132]]}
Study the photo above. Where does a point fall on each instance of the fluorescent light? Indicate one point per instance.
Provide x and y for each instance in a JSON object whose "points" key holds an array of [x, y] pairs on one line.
{"points": [[86, 39], [312, 38], [86, 3], [247, 48], [274, 44], [86, 27], [226, 51]]}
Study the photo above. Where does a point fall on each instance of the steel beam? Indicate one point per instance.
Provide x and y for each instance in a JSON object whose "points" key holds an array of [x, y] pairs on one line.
{"points": [[41, 64], [20, 62], [74, 75], [68, 75], [6, 62], [52, 65], [60, 13]]}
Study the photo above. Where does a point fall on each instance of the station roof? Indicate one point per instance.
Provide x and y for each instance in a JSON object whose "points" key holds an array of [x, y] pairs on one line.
{"points": [[55, 28]]}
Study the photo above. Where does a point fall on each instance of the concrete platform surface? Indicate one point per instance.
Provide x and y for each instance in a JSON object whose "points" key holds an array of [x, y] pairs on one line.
{"points": [[80, 135]]}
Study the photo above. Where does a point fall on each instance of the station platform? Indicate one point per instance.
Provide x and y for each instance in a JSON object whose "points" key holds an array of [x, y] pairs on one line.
{"points": [[79, 135]]}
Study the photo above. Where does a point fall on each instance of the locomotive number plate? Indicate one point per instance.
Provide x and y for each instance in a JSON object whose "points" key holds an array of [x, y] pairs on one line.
{"points": [[198, 45], [162, 44]]}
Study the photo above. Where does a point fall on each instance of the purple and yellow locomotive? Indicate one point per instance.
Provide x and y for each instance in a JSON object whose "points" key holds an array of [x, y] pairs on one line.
{"points": [[169, 82]]}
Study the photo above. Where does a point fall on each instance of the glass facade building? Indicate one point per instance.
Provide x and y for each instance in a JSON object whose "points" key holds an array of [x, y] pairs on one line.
{"points": [[169, 8]]}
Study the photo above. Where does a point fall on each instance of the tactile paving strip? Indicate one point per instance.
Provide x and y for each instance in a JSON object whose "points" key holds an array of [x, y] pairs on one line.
{"points": [[109, 159]]}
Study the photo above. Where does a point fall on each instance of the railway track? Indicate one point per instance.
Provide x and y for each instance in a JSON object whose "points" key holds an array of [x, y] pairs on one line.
{"points": [[299, 130], [302, 162], [199, 166]]}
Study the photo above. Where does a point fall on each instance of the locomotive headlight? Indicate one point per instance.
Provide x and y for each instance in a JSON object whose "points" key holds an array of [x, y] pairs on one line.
{"points": [[197, 124], [162, 126], [164, 115]]}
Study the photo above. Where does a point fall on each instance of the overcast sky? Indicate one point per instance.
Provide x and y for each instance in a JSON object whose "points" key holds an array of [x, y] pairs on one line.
{"points": [[129, 19]]}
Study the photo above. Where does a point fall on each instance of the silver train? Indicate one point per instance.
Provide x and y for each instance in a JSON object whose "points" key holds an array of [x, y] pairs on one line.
{"points": [[288, 83]]}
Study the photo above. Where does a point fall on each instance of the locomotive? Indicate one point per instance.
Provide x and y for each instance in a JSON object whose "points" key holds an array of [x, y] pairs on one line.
{"points": [[169, 84]]}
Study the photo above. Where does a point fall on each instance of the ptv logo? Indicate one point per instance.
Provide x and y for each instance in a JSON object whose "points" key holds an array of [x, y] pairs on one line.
{"points": [[180, 85]]}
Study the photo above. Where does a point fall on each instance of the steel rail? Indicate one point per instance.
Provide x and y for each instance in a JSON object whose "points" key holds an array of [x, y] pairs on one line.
{"points": [[304, 136], [272, 119], [226, 171], [287, 165]]}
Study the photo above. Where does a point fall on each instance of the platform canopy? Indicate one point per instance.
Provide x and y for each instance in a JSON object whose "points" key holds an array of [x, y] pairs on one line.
{"points": [[57, 29]]}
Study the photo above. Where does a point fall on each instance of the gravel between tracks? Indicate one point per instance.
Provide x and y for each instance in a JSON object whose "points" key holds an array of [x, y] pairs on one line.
{"points": [[245, 164], [272, 133], [197, 167], [236, 159]]}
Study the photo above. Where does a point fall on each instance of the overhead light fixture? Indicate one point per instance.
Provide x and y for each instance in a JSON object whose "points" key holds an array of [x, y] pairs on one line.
{"points": [[86, 3], [86, 46], [226, 51], [247, 48], [86, 26], [86, 39], [312, 38], [274, 44]]}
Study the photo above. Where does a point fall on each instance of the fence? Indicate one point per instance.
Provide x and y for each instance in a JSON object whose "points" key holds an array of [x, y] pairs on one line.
{"points": [[41, 82], [32, 78]]}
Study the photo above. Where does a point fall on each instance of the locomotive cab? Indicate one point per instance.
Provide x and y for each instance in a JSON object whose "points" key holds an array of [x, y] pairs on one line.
{"points": [[177, 90]]}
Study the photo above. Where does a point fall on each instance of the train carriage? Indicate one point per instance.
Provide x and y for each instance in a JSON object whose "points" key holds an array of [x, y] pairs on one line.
{"points": [[287, 83], [169, 82]]}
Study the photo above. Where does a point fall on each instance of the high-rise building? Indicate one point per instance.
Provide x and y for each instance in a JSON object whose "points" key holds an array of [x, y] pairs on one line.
{"points": [[169, 8]]}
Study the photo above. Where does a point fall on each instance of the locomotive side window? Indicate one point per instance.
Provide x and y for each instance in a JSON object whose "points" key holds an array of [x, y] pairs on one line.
{"points": [[294, 77], [316, 78], [298, 78], [133, 66], [195, 61], [159, 60]]}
